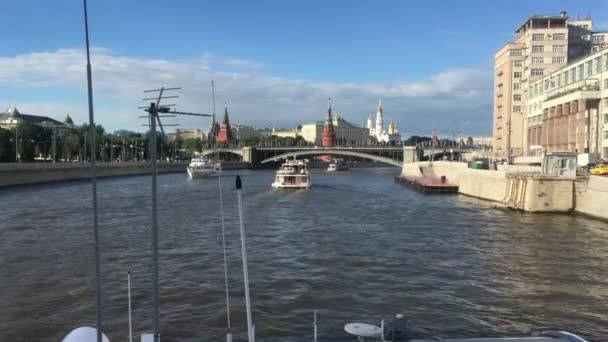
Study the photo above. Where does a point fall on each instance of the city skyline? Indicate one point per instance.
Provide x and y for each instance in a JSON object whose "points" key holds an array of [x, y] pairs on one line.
{"points": [[430, 71]]}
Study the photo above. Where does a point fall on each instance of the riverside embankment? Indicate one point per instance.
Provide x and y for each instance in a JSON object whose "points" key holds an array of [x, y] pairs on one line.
{"points": [[12, 174], [521, 187]]}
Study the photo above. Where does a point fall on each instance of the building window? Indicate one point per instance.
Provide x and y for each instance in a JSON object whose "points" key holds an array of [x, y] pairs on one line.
{"points": [[538, 72], [538, 60], [517, 97], [605, 118], [597, 39], [518, 85], [538, 36], [516, 109], [559, 36], [596, 65], [538, 48], [566, 77], [606, 86], [605, 135], [579, 73], [518, 63], [559, 48], [515, 52], [517, 74], [588, 68], [559, 60]]}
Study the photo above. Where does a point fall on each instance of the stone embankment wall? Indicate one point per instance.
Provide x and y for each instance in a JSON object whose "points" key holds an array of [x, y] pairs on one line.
{"points": [[592, 196], [490, 185], [522, 187], [31, 173]]}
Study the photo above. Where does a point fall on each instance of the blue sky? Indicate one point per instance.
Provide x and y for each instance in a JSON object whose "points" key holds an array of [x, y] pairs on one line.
{"points": [[273, 61]]}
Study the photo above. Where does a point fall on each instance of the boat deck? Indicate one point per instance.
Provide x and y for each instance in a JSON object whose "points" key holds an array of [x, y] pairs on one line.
{"points": [[428, 184]]}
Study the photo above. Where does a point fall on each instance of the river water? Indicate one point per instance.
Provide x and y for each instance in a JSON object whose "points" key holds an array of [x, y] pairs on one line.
{"points": [[356, 247]]}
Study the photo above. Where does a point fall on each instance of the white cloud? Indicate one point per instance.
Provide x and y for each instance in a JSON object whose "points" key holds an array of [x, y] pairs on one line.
{"points": [[447, 100]]}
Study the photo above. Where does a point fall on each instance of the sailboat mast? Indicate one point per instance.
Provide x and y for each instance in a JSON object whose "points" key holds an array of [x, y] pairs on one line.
{"points": [[213, 95], [93, 149], [229, 333], [250, 328]]}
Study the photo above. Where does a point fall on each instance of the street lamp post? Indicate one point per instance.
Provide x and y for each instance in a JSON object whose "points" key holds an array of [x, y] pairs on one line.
{"points": [[54, 147], [16, 143]]}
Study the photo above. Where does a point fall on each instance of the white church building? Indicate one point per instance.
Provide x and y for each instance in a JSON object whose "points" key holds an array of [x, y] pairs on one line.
{"points": [[391, 135]]}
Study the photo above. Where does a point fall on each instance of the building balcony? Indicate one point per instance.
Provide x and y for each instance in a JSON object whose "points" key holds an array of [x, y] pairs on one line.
{"points": [[586, 85], [587, 89]]}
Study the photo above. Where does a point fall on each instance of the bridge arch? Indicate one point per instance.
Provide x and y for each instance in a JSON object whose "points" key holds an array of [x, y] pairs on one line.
{"points": [[238, 152], [319, 152]]}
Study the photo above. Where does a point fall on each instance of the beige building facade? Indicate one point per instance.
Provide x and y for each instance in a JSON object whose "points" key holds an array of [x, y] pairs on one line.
{"points": [[543, 45], [186, 133], [568, 109], [346, 132]]}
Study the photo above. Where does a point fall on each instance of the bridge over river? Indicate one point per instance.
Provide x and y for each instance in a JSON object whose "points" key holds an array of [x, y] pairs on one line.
{"points": [[390, 155]]}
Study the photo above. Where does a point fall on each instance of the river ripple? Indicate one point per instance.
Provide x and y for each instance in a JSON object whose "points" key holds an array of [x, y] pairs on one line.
{"points": [[356, 247]]}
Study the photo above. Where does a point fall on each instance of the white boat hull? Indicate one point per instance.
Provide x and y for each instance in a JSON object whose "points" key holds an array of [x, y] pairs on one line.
{"points": [[277, 185], [202, 174]]}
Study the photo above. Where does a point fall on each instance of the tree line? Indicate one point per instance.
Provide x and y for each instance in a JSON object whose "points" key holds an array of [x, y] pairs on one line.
{"points": [[28, 142]]}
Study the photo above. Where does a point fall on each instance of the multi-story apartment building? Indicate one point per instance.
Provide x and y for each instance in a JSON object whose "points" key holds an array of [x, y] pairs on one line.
{"points": [[508, 92], [568, 109], [543, 45], [186, 133]]}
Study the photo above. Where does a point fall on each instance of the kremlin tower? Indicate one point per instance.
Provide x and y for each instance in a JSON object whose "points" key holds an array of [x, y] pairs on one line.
{"points": [[379, 124], [378, 134], [224, 134], [329, 134]]}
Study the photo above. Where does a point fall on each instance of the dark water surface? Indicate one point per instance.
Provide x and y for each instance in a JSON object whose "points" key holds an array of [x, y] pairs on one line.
{"points": [[356, 247]]}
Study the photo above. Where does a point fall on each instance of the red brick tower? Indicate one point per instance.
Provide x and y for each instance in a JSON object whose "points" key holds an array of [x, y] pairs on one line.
{"points": [[224, 134], [329, 134]]}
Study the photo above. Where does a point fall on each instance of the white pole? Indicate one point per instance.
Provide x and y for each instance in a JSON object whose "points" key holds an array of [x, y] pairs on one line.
{"points": [[229, 333], [315, 327], [129, 299], [245, 269], [92, 132]]}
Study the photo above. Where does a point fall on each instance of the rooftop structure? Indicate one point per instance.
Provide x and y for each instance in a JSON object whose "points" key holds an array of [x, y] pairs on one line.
{"points": [[12, 117]]}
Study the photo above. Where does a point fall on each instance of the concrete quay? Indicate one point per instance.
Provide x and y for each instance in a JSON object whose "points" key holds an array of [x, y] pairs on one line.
{"points": [[13, 174], [522, 187]]}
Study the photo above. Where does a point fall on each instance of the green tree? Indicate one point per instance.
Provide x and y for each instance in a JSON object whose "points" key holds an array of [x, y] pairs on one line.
{"points": [[193, 145], [83, 131], [7, 145], [71, 145], [68, 120], [31, 136], [415, 140]]}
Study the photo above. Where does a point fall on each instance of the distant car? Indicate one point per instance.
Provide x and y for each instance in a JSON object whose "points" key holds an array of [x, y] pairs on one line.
{"points": [[599, 170]]}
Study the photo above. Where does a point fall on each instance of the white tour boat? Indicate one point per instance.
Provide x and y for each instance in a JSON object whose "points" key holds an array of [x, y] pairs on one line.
{"points": [[203, 167], [337, 165], [292, 174]]}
